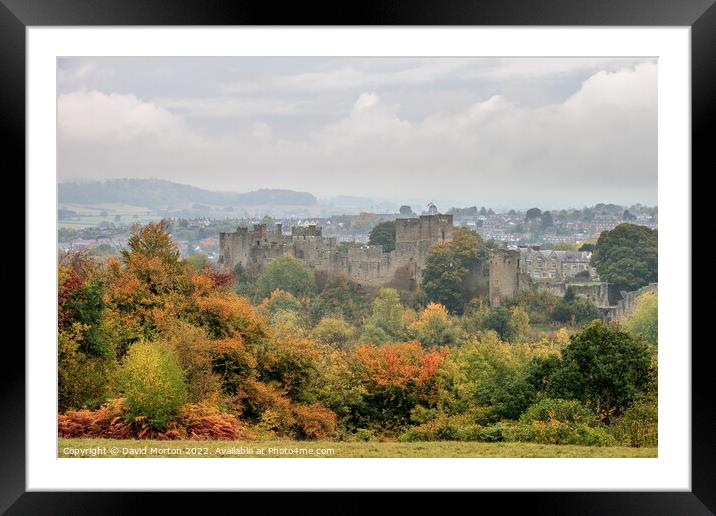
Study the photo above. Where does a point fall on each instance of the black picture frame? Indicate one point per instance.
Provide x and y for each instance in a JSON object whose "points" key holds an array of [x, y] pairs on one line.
{"points": [[700, 15]]}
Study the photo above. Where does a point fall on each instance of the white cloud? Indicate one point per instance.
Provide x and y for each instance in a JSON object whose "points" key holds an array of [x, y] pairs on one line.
{"points": [[96, 117]]}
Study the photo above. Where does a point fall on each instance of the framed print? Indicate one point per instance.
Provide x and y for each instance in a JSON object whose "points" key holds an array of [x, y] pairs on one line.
{"points": [[410, 250]]}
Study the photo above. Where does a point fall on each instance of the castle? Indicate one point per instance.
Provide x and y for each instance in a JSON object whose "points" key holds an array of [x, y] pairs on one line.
{"points": [[509, 272], [366, 265]]}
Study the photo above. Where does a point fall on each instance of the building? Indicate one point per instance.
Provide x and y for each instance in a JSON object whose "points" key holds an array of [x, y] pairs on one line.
{"points": [[555, 265], [368, 265]]}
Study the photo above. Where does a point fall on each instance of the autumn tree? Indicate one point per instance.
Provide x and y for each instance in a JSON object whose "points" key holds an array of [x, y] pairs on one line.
{"points": [[434, 327], [333, 331], [396, 377]]}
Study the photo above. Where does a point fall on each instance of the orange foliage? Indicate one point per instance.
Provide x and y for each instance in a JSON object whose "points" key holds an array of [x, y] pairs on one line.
{"points": [[398, 365], [314, 421], [198, 421], [204, 421], [229, 315]]}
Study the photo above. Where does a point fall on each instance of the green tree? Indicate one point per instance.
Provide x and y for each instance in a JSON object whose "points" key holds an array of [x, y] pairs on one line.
{"points": [[387, 314], [627, 256], [152, 382], [519, 324], [498, 320], [288, 274], [339, 298], [406, 211], [605, 368], [383, 234], [333, 331], [644, 321], [533, 213], [86, 306], [446, 269]]}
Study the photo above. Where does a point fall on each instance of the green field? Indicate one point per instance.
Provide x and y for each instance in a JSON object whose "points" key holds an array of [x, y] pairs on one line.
{"points": [[328, 449]]}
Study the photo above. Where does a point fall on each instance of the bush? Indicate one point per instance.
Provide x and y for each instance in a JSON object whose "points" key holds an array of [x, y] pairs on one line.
{"points": [[204, 421], [558, 432], [152, 382], [82, 379], [364, 435], [566, 411], [313, 421], [558, 421], [638, 426], [458, 427]]}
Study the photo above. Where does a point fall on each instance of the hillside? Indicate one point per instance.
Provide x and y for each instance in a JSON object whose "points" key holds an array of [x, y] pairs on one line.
{"points": [[160, 194]]}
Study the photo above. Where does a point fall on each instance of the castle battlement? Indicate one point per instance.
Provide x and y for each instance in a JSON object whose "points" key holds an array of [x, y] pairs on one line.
{"points": [[369, 265]]}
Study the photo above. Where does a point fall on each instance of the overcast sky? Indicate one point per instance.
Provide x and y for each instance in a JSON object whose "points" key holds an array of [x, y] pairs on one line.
{"points": [[557, 132]]}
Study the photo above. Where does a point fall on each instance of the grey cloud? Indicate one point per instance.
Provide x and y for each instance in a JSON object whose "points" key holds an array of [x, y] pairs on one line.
{"points": [[564, 132]]}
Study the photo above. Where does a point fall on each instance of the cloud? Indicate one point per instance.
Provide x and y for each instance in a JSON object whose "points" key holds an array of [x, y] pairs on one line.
{"points": [[96, 117], [231, 107], [597, 145]]}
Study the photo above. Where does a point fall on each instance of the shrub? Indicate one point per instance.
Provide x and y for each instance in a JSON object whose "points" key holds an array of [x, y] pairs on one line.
{"points": [[558, 421], [558, 432], [638, 426], [107, 421], [485, 434], [82, 380], [452, 428], [204, 421], [396, 377], [364, 435], [267, 406], [567, 411], [152, 382], [313, 421]]}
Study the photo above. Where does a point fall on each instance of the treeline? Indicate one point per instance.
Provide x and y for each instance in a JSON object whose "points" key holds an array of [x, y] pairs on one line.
{"points": [[154, 346]]}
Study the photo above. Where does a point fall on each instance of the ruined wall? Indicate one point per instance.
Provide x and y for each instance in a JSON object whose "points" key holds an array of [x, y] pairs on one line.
{"points": [[506, 280], [627, 304], [596, 293]]}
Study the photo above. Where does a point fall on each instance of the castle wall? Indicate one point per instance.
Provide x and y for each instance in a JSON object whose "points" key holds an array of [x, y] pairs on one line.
{"points": [[505, 278], [627, 304], [368, 265]]}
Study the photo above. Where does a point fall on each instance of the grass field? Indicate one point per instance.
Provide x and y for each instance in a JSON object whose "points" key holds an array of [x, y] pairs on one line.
{"points": [[327, 449]]}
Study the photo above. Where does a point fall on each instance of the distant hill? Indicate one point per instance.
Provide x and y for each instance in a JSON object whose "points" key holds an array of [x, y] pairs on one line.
{"points": [[160, 194]]}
